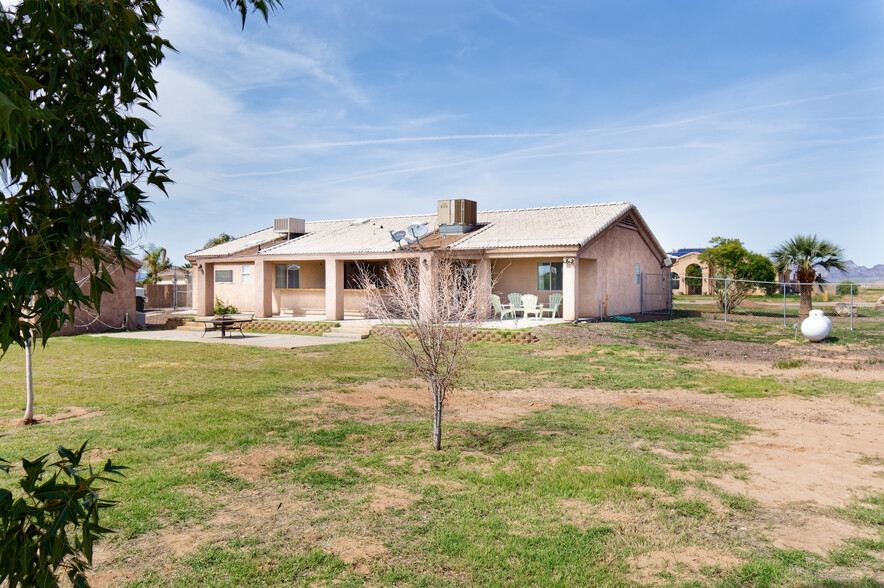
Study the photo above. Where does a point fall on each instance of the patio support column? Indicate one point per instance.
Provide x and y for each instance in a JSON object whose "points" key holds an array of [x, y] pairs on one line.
{"points": [[426, 279], [334, 289], [570, 289], [205, 289], [483, 274], [263, 288]]}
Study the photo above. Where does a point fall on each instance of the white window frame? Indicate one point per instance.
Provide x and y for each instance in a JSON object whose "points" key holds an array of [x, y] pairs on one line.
{"points": [[246, 273]]}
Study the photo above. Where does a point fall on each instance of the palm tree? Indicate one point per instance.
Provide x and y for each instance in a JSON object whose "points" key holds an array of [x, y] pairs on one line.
{"points": [[155, 261], [222, 238], [805, 253]]}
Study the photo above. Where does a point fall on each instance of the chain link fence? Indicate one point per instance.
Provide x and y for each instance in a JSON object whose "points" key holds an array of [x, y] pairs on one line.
{"points": [[845, 304]]}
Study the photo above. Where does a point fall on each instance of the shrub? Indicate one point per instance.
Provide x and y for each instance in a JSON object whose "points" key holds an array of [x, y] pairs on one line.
{"points": [[843, 288], [50, 525], [224, 307]]}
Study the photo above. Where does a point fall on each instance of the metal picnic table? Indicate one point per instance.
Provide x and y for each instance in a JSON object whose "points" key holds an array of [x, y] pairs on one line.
{"points": [[225, 323]]}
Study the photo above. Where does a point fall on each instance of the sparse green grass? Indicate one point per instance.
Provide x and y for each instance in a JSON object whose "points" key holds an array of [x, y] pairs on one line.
{"points": [[512, 503], [788, 364]]}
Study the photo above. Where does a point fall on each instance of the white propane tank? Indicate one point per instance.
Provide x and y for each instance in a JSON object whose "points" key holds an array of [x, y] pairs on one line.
{"points": [[816, 326]]}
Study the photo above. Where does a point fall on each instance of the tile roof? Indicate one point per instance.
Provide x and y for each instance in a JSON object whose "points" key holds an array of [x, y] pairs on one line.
{"points": [[349, 236], [542, 227], [562, 226], [244, 243]]}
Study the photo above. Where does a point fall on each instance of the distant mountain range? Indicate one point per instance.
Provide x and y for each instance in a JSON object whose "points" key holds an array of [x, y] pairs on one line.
{"points": [[856, 273]]}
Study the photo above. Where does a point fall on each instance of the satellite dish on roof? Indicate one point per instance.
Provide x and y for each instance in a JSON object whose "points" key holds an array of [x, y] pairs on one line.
{"points": [[418, 230], [397, 236]]}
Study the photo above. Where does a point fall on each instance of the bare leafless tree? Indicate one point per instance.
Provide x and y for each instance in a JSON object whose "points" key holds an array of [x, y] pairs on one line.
{"points": [[429, 307]]}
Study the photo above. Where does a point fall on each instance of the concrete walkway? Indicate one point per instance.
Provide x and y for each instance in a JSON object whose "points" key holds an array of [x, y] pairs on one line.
{"points": [[251, 339]]}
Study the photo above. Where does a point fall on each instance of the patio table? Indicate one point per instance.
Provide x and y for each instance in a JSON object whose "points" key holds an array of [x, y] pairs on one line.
{"points": [[224, 323]]}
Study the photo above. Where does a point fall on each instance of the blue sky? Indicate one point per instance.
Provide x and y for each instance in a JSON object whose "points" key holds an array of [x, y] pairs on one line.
{"points": [[751, 119]]}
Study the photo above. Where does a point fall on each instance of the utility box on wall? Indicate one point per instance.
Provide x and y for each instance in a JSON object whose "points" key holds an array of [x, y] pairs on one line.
{"points": [[457, 212]]}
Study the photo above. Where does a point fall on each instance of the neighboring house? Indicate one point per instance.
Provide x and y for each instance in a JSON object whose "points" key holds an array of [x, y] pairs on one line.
{"points": [[686, 264], [592, 254], [117, 307], [172, 289], [175, 275]]}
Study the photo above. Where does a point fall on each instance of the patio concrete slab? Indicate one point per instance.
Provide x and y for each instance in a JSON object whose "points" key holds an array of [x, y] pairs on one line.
{"points": [[251, 339]]}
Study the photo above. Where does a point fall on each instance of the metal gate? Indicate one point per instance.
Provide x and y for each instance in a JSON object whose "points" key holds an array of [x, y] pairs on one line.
{"points": [[181, 291], [656, 293]]}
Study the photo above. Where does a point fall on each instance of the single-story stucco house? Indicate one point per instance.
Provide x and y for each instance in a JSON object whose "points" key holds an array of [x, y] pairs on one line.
{"points": [[595, 255]]}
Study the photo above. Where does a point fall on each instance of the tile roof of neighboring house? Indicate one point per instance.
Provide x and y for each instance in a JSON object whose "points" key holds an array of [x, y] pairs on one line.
{"points": [[562, 226], [244, 243], [685, 251]]}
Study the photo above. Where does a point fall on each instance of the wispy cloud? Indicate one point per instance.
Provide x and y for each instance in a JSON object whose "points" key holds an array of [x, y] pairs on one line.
{"points": [[397, 140], [346, 121]]}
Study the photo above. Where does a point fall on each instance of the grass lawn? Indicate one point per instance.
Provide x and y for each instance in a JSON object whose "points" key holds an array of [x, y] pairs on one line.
{"points": [[250, 467]]}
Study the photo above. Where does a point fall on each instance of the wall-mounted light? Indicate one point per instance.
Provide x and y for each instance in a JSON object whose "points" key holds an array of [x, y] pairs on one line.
{"points": [[568, 260], [199, 266]]}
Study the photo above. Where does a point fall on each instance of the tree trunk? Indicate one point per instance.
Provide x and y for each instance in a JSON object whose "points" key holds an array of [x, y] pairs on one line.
{"points": [[29, 384], [437, 417], [806, 300]]}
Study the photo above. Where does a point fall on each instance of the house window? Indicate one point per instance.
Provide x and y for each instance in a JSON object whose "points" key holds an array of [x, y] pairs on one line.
{"points": [[638, 273], [246, 273], [288, 275], [223, 276], [549, 276]]}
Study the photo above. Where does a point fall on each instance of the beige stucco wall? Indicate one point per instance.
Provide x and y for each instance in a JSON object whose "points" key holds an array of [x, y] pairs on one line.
{"points": [[606, 267], [117, 307], [311, 293], [520, 275], [299, 300], [240, 295], [312, 274], [587, 278], [353, 300], [616, 253]]}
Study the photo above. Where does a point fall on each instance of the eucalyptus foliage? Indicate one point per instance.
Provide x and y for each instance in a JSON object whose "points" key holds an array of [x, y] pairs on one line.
{"points": [[75, 160], [49, 525]]}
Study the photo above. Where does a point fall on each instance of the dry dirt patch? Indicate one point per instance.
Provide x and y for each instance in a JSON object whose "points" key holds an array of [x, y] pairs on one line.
{"points": [[64, 413], [257, 512], [252, 465], [376, 396], [678, 566], [387, 497], [831, 368], [583, 514], [358, 551], [817, 534]]}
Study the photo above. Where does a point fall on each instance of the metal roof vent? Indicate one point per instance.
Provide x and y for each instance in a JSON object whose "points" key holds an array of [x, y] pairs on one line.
{"points": [[456, 216], [289, 226]]}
